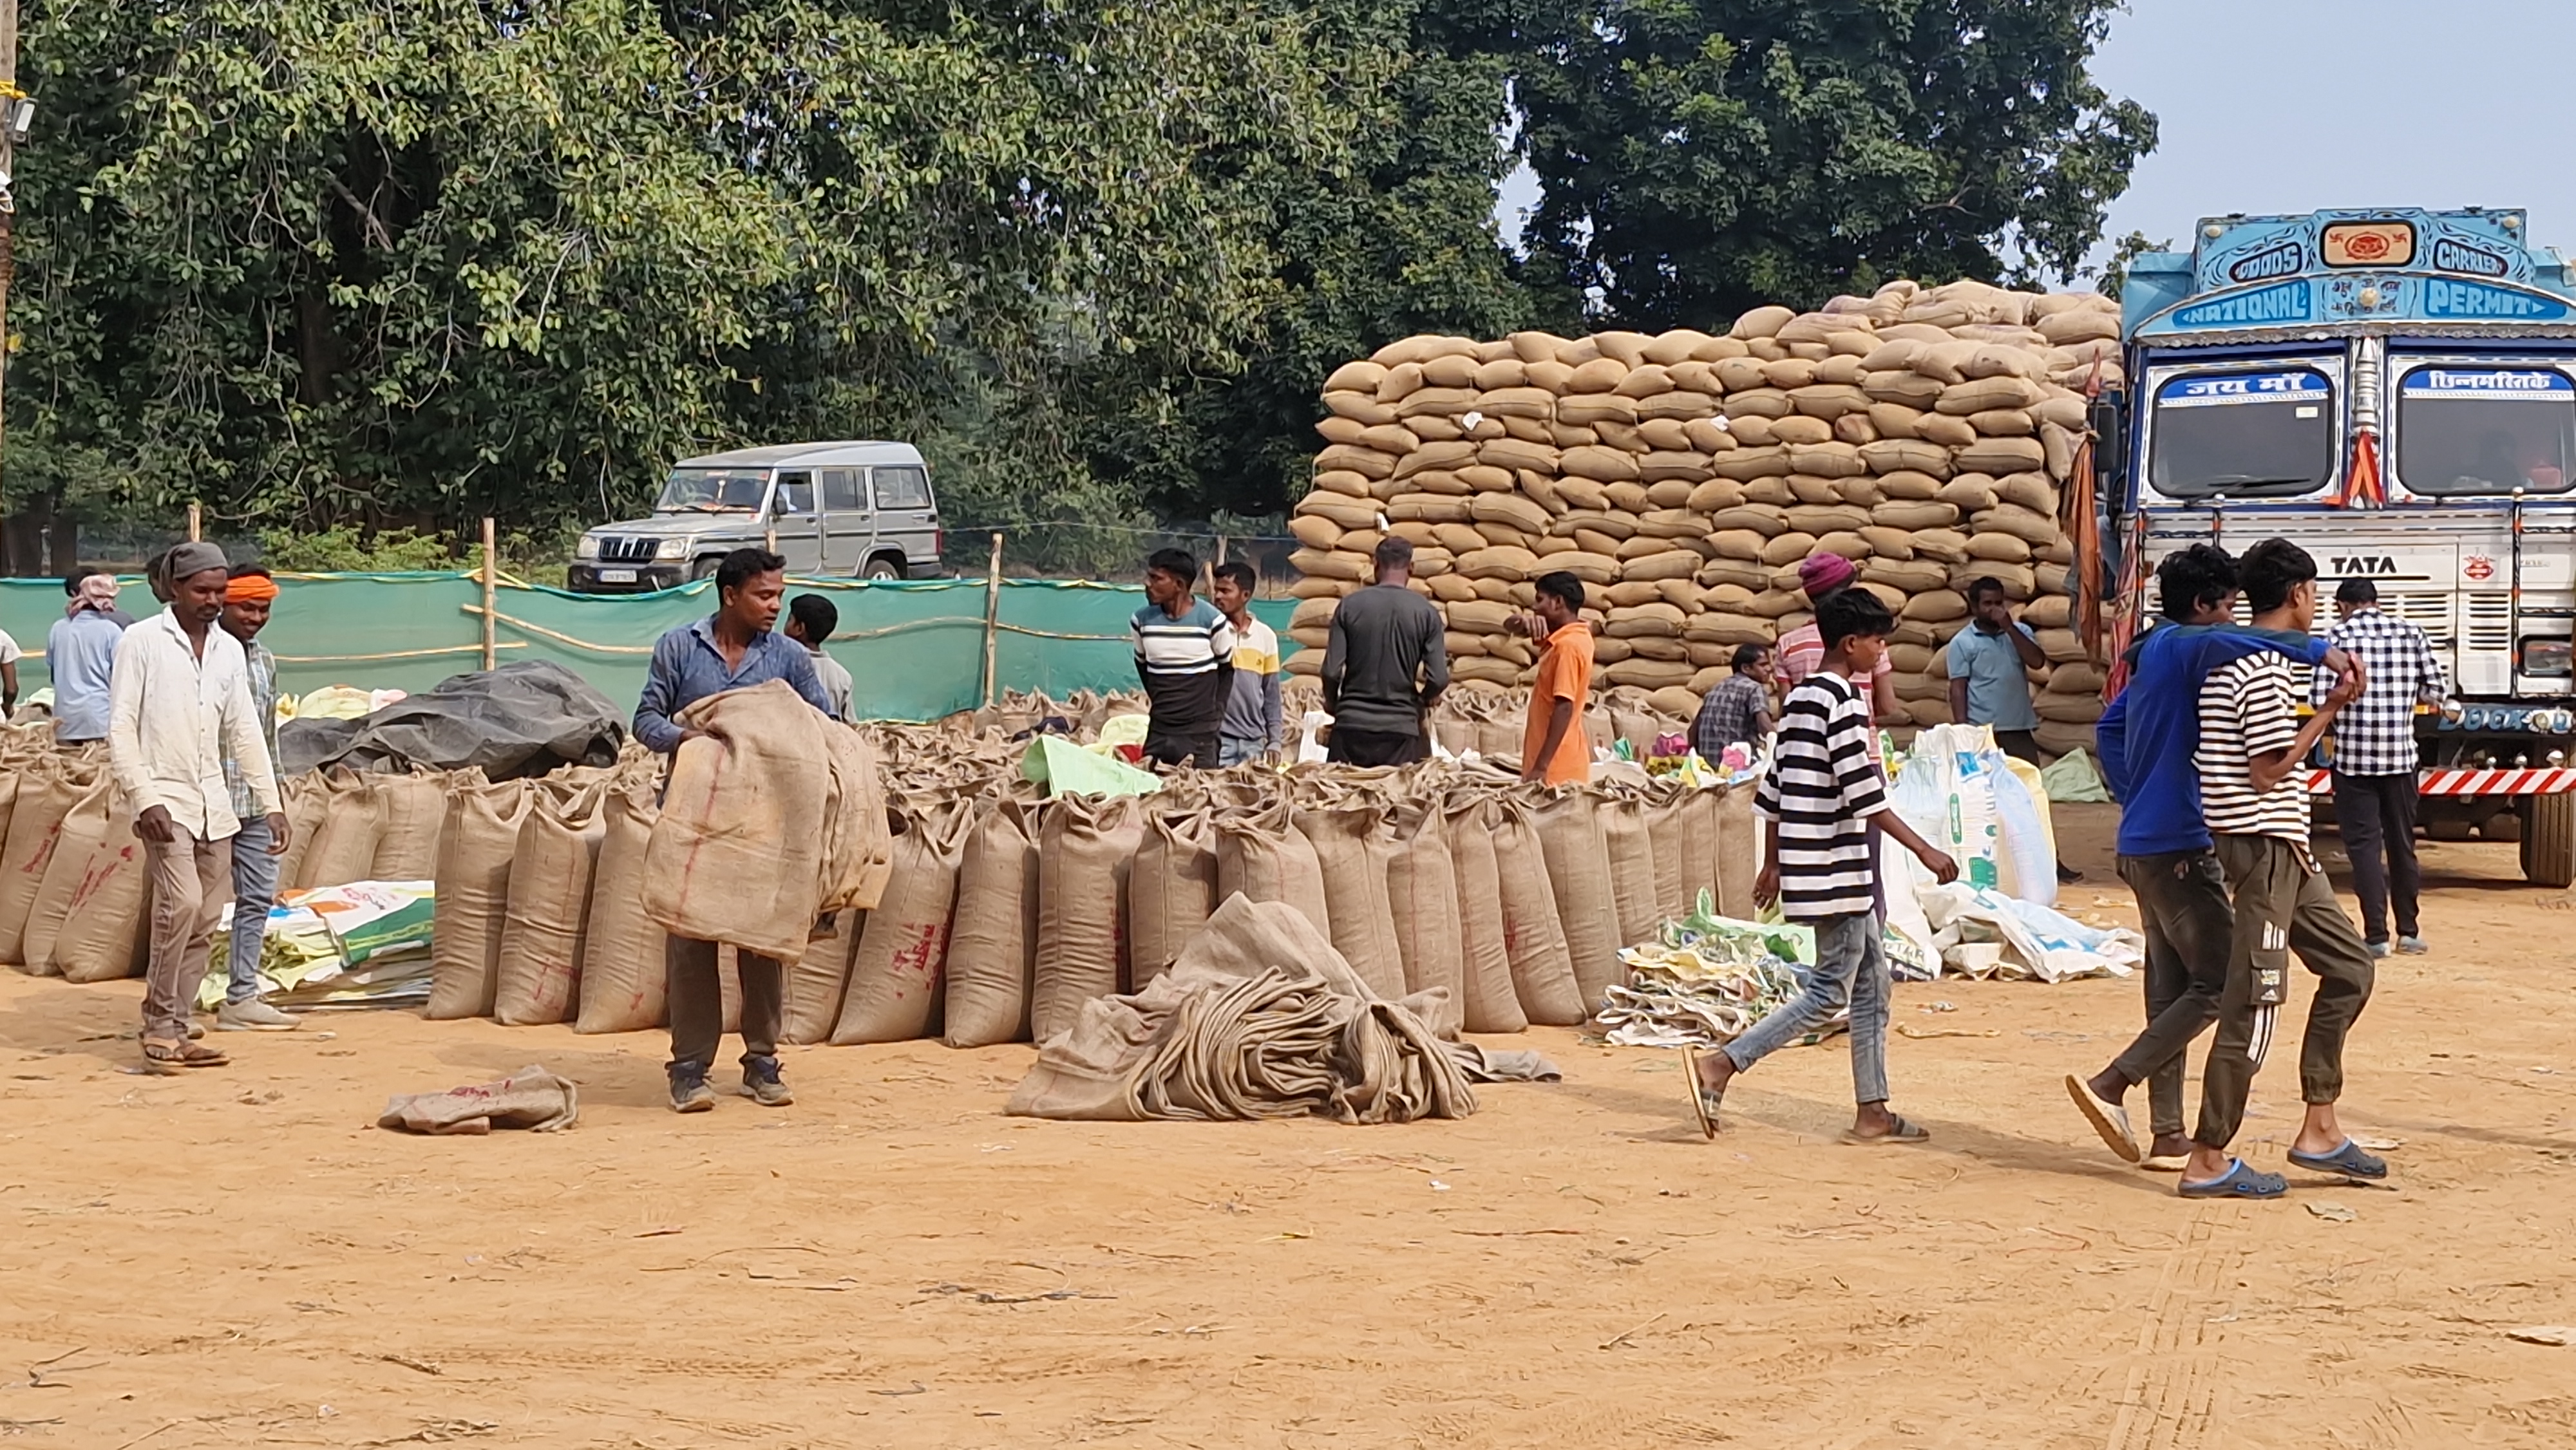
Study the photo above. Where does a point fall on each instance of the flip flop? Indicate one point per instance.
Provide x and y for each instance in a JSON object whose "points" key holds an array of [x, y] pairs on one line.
{"points": [[1898, 1131], [1703, 1102], [2108, 1118], [2348, 1161], [2239, 1181], [171, 1058]]}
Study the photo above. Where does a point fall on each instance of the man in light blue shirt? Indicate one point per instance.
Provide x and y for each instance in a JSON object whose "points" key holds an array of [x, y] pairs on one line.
{"points": [[80, 652], [1990, 663]]}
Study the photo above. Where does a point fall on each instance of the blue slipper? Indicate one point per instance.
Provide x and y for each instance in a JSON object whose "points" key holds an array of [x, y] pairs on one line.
{"points": [[2349, 1161], [2239, 1181]]}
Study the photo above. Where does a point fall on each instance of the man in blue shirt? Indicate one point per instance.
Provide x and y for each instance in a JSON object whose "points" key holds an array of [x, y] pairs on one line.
{"points": [[1989, 664], [80, 652], [733, 649]]}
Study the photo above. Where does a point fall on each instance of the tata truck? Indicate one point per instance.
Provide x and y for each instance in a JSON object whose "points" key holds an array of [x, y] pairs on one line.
{"points": [[2394, 390]]}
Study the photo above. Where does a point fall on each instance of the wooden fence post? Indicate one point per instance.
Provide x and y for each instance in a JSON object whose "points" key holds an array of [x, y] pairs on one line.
{"points": [[491, 632], [992, 616], [196, 522]]}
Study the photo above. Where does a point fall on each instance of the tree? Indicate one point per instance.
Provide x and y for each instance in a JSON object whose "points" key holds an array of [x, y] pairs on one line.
{"points": [[1701, 157]]}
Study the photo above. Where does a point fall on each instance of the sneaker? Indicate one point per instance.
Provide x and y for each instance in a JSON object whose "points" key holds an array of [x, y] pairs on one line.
{"points": [[2413, 946], [689, 1090], [253, 1015], [2378, 950], [761, 1082], [2068, 875]]}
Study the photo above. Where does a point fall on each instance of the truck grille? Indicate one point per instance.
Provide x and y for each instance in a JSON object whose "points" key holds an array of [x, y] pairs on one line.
{"points": [[2490, 621], [620, 550]]}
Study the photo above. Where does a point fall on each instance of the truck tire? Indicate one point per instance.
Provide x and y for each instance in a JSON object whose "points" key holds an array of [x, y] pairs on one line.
{"points": [[882, 566], [2549, 841]]}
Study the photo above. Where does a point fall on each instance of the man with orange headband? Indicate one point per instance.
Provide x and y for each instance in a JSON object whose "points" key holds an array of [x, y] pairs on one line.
{"points": [[247, 602]]}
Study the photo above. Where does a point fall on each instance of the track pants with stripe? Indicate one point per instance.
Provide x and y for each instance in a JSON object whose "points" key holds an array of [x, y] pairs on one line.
{"points": [[2283, 905]]}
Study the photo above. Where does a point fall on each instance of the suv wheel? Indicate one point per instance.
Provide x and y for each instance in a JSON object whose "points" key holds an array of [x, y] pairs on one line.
{"points": [[883, 566], [704, 568]]}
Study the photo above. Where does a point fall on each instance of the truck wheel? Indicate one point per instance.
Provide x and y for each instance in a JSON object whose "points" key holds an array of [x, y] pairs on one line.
{"points": [[2549, 841], [883, 566]]}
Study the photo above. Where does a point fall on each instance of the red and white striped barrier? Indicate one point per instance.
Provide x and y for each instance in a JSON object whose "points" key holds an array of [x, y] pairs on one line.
{"points": [[2474, 782]]}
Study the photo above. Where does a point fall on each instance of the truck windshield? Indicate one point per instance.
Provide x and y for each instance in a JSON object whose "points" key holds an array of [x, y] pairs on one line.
{"points": [[2247, 435], [713, 490], [2484, 430]]}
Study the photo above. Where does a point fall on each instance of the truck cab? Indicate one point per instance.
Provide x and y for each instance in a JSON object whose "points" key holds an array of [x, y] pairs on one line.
{"points": [[2395, 391], [860, 510]]}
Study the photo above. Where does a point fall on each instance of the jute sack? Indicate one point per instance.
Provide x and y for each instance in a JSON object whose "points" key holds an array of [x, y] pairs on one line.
{"points": [[475, 848], [344, 841], [409, 810], [898, 973], [1703, 834], [1085, 852], [537, 975], [625, 976], [992, 954], [45, 795], [1259, 855], [1542, 971], [1172, 891], [1587, 905], [84, 829], [1362, 920], [104, 932], [1489, 1003], [306, 798], [814, 986], [1631, 854], [1736, 847], [1422, 891], [1668, 826]]}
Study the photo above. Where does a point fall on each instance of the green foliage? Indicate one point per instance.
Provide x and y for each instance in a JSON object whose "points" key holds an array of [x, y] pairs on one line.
{"points": [[343, 548], [2114, 272], [1702, 157]]}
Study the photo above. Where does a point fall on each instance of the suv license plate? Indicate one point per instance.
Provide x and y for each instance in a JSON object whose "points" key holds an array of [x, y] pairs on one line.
{"points": [[616, 576]]}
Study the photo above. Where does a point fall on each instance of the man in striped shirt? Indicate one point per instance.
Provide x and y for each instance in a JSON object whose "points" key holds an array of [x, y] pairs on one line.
{"points": [[1185, 658], [1823, 804], [2256, 803]]}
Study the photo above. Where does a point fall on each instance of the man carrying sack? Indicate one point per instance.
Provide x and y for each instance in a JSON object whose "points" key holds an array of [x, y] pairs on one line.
{"points": [[733, 649], [180, 706]]}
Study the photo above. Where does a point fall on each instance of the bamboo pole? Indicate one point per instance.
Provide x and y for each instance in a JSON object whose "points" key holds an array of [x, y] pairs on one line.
{"points": [[992, 615], [196, 522], [491, 638]]}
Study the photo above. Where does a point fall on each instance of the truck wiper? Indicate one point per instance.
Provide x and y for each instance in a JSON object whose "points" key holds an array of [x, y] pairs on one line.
{"points": [[2249, 481]]}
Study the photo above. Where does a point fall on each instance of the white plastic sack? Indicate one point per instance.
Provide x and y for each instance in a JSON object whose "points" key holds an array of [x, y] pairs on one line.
{"points": [[2027, 860], [1988, 934]]}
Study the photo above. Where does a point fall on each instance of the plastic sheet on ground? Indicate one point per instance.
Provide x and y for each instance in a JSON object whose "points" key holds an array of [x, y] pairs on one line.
{"points": [[1706, 979], [1065, 768], [363, 944], [521, 719], [1986, 934]]}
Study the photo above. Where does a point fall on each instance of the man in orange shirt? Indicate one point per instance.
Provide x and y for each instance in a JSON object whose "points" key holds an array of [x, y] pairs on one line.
{"points": [[1552, 746]]}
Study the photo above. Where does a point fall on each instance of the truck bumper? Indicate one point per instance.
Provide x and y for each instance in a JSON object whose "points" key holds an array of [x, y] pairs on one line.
{"points": [[2464, 782]]}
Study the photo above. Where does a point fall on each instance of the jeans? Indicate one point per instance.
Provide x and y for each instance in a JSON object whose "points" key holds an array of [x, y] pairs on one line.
{"points": [[254, 892], [188, 880], [2183, 904], [1851, 968], [696, 996], [2376, 817], [1234, 750]]}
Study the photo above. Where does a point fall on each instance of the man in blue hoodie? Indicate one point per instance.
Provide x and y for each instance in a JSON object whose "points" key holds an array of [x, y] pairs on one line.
{"points": [[2146, 739]]}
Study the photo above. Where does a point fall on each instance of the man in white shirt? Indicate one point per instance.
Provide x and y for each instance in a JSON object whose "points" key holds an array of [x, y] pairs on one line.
{"points": [[180, 705]]}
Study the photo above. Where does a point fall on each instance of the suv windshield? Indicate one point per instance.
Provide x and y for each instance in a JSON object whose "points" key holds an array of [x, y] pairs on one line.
{"points": [[2246, 435], [2484, 430], [713, 490]]}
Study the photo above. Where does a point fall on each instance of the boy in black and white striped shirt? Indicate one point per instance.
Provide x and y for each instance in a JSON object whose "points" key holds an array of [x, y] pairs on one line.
{"points": [[1823, 804], [2254, 796]]}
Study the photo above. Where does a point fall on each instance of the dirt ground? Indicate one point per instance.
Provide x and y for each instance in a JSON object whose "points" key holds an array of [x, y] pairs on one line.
{"points": [[238, 1258]]}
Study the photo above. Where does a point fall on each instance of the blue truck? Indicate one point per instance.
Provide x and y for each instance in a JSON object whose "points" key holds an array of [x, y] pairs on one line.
{"points": [[2393, 389]]}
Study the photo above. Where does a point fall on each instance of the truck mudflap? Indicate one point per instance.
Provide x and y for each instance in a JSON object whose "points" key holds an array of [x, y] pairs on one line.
{"points": [[2552, 781]]}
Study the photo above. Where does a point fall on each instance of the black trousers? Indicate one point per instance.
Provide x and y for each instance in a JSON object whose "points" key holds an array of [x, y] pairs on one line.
{"points": [[697, 1002], [1201, 751], [2376, 815], [2183, 904], [1376, 747]]}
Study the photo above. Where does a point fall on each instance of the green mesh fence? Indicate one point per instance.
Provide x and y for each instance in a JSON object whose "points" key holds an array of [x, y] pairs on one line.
{"points": [[914, 649]]}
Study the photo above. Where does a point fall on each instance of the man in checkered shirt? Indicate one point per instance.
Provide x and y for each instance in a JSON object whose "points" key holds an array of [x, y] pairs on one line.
{"points": [[2375, 760]]}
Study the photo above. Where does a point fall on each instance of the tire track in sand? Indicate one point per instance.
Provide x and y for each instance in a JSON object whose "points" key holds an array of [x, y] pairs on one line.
{"points": [[2173, 1372]]}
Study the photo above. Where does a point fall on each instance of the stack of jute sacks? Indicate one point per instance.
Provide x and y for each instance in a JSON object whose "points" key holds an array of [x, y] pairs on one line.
{"points": [[1924, 434]]}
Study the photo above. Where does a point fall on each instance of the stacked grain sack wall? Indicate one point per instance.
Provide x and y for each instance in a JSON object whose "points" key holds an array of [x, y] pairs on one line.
{"points": [[1924, 434]]}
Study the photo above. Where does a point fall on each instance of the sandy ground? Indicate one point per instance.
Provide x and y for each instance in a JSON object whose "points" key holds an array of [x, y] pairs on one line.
{"points": [[237, 1258]]}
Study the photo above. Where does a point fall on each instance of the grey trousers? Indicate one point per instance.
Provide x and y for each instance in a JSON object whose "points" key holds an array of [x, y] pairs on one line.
{"points": [[697, 1002], [2283, 905], [2183, 904], [191, 879]]}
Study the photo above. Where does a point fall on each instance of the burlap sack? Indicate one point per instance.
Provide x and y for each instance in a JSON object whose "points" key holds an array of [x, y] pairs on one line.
{"points": [[1422, 892], [1533, 938], [409, 810], [1261, 856], [344, 841], [1631, 854], [85, 829], [1668, 824], [625, 978], [537, 976], [1172, 890], [816, 984], [1362, 920], [1736, 847], [475, 847], [1489, 1002], [306, 798], [898, 973], [992, 953], [1578, 871], [1086, 849], [104, 932], [45, 795], [1703, 834]]}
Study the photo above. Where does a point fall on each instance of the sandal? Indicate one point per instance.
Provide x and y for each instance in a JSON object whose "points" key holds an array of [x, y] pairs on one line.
{"points": [[175, 1057], [1703, 1102], [2239, 1181], [1899, 1130], [2348, 1161], [2109, 1119]]}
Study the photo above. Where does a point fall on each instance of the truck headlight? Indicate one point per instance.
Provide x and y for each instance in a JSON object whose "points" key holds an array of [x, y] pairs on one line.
{"points": [[671, 549], [588, 548]]}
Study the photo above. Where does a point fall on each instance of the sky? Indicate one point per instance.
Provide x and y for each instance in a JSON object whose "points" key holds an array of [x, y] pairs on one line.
{"points": [[2293, 105]]}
